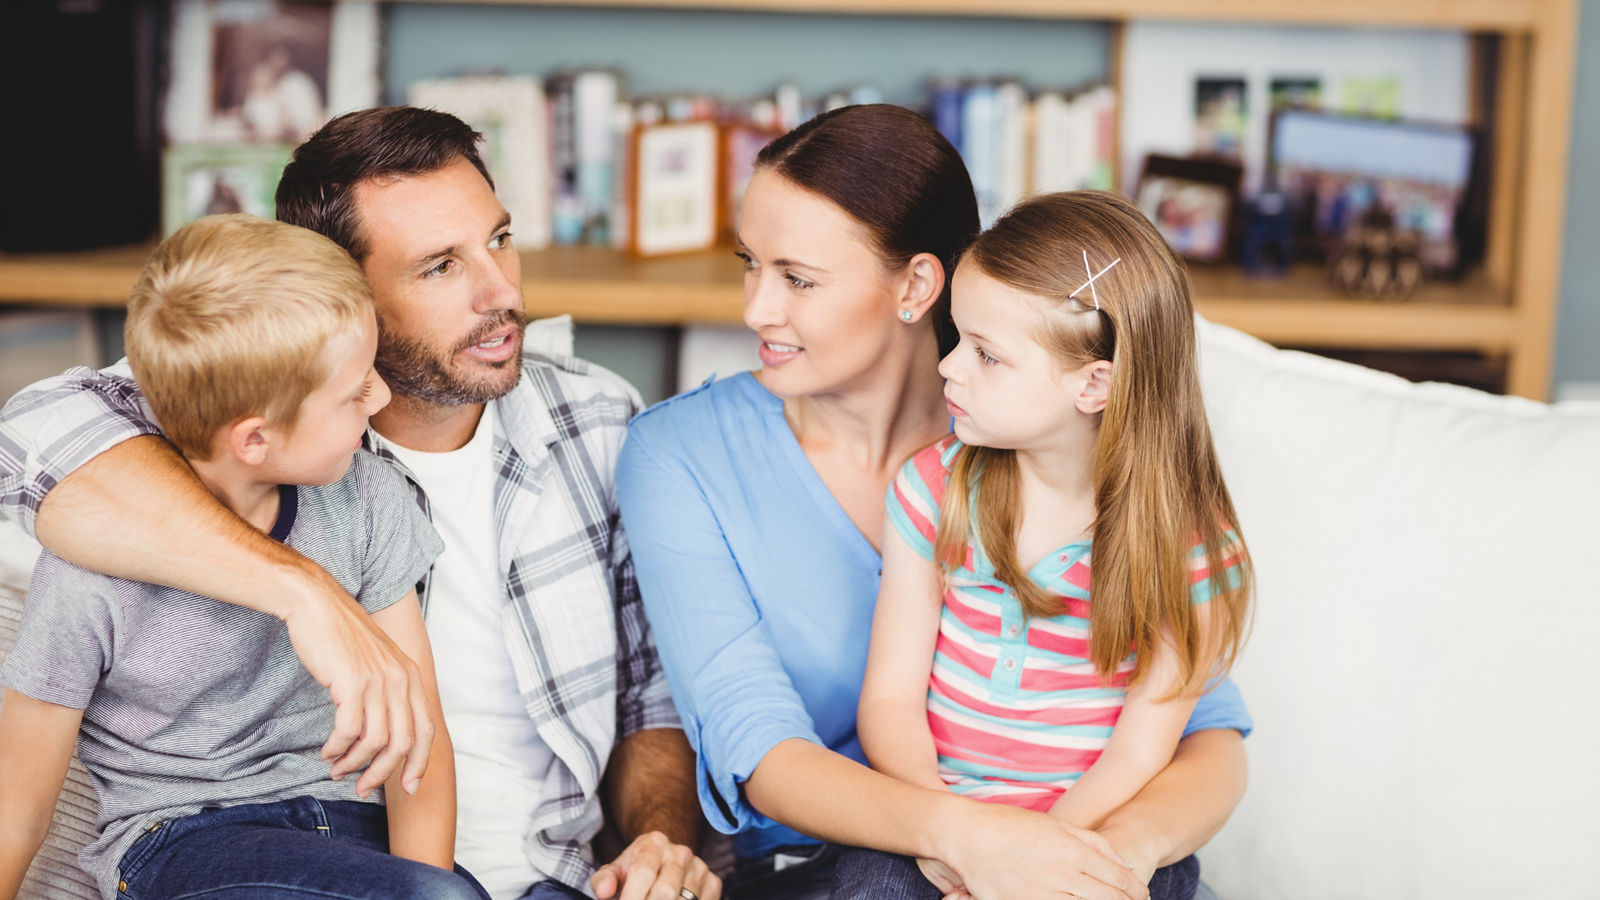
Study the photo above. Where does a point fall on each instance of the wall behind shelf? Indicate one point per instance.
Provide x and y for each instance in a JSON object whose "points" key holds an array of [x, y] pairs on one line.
{"points": [[1577, 350]]}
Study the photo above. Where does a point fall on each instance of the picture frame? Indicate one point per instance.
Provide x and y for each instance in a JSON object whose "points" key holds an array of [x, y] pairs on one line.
{"points": [[1334, 168], [207, 179], [268, 71], [675, 188], [741, 143], [511, 114], [1192, 203]]}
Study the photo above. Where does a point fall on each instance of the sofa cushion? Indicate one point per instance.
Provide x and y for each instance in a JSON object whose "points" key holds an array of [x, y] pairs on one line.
{"points": [[1427, 714]]}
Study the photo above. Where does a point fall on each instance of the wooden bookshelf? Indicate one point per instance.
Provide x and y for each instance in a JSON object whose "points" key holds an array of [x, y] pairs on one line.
{"points": [[1505, 310]]}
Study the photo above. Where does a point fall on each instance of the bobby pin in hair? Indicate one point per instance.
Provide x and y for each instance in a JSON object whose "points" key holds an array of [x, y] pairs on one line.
{"points": [[1090, 283]]}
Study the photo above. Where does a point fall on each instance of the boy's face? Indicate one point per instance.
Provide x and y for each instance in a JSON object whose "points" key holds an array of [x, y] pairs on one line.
{"points": [[333, 417], [447, 283]]}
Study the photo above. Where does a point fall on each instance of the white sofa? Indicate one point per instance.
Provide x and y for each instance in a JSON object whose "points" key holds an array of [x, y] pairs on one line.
{"points": [[1427, 715]]}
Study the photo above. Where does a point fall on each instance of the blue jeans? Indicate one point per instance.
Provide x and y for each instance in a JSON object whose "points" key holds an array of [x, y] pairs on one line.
{"points": [[872, 875], [333, 850], [807, 874]]}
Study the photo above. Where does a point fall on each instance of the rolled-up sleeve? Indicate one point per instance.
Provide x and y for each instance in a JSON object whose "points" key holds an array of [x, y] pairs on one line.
{"points": [[1221, 707], [732, 692], [52, 427]]}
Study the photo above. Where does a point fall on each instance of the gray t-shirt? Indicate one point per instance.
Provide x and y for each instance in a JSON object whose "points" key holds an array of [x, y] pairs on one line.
{"points": [[190, 702]]}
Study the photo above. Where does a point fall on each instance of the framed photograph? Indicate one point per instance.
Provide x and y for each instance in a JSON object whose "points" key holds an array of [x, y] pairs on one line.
{"points": [[1191, 202], [1294, 92], [1220, 116], [510, 113], [268, 71], [207, 179], [675, 187], [1335, 169], [740, 145]]}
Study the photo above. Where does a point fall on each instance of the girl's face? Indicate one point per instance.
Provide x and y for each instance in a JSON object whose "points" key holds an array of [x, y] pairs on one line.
{"points": [[815, 290], [1004, 389]]}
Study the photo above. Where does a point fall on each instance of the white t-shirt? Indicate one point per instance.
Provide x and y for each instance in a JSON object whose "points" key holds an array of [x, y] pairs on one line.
{"points": [[501, 762]]}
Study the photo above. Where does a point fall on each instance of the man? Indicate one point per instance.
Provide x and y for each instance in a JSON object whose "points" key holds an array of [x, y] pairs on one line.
{"points": [[547, 673]]}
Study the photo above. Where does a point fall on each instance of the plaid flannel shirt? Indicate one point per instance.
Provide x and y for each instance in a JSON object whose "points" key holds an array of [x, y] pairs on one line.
{"points": [[585, 664]]}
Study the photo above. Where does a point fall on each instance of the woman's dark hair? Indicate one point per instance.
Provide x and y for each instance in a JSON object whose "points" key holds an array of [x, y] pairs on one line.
{"points": [[318, 186], [893, 172]]}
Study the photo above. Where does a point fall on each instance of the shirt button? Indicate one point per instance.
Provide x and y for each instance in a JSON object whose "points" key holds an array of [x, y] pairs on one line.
{"points": [[1014, 630], [1011, 663]]}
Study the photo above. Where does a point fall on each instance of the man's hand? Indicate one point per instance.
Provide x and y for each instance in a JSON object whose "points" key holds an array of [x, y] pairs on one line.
{"points": [[654, 868], [381, 718]]}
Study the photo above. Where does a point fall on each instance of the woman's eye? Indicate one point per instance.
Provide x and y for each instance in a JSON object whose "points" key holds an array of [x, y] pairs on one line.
{"points": [[797, 281], [744, 260]]}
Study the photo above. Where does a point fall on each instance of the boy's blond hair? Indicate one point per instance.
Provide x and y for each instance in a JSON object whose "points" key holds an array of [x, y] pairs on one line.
{"points": [[229, 320]]}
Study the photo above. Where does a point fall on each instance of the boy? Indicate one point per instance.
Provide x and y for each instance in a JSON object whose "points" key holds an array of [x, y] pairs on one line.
{"points": [[253, 341]]}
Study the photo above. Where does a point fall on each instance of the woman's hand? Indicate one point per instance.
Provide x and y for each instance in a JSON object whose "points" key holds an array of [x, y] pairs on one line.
{"points": [[999, 852]]}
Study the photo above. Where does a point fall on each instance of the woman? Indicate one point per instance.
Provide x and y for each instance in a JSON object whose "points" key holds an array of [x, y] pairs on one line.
{"points": [[754, 508]]}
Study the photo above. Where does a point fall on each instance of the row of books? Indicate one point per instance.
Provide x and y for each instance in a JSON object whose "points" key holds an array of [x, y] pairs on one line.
{"points": [[577, 160]]}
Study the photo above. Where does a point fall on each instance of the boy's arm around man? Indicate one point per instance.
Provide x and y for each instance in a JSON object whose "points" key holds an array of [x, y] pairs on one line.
{"points": [[84, 468]]}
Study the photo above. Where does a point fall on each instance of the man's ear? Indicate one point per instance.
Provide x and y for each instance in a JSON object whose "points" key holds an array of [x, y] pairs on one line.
{"points": [[247, 440], [925, 277], [1096, 387]]}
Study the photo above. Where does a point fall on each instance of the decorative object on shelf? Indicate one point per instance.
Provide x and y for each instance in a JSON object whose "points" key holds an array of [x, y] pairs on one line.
{"points": [[1294, 92], [1266, 242], [268, 72], [675, 168], [1377, 260], [740, 145], [510, 112], [1220, 116], [206, 179], [1333, 167], [1191, 202]]}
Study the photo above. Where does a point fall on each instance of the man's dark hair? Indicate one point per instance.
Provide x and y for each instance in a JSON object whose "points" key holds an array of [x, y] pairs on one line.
{"points": [[318, 186]]}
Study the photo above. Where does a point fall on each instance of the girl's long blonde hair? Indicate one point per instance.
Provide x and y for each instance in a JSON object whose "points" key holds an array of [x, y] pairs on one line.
{"points": [[1158, 489]]}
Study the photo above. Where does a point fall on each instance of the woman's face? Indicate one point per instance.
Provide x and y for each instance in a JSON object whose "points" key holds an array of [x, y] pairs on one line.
{"points": [[817, 294]]}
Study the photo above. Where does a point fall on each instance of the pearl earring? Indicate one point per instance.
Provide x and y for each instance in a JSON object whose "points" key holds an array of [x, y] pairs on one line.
{"points": [[905, 316]]}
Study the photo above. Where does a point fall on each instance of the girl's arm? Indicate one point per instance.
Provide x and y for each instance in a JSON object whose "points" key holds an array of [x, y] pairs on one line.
{"points": [[1184, 806], [892, 718], [36, 741], [422, 826], [1142, 744]]}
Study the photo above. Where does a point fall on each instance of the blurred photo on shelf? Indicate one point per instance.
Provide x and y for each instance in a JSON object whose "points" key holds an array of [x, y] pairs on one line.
{"points": [[208, 179], [1191, 202], [740, 144], [1220, 116], [1294, 92], [675, 168], [1376, 96], [259, 71], [1336, 169]]}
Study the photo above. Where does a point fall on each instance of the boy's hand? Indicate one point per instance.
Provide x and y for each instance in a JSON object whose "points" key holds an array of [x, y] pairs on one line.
{"points": [[381, 718], [654, 868]]}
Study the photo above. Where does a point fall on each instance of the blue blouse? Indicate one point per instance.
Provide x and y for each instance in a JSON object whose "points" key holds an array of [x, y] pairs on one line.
{"points": [[760, 591]]}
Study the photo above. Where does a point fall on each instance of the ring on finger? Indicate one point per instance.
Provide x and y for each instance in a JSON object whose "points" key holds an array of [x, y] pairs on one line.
{"points": [[687, 894]]}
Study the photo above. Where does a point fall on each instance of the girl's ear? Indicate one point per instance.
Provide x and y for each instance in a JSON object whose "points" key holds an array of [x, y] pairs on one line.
{"points": [[924, 281], [248, 440], [1096, 387]]}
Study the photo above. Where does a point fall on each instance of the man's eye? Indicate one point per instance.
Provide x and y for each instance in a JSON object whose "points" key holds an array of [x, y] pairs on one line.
{"points": [[501, 240], [443, 267]]}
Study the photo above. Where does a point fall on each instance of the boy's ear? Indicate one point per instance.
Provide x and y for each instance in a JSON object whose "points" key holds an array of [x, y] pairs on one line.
{"points": [[925, 277], [1096, 387], [247, 440]]}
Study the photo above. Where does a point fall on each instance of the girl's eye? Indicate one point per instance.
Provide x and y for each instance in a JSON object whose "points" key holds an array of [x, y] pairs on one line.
{"points": [[985, 358]]}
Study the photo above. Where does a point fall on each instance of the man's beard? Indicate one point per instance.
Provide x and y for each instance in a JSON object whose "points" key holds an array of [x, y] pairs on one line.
{"points": [[413, 369]]}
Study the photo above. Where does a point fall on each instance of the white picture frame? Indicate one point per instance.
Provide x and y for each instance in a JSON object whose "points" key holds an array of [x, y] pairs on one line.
{"points": [[676, 170]]}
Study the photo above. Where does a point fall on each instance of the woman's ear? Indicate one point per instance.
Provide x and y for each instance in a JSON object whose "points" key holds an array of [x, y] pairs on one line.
{"points": [[1096, 387], [924, 282], [247, 440]]}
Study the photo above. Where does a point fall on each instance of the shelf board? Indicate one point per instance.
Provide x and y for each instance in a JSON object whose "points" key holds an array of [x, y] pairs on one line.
{"points": [[603, 286], [1486, 15]]}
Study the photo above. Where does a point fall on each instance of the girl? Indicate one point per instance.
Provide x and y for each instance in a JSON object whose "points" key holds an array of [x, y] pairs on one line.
{"points": [[1080, 467]]}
